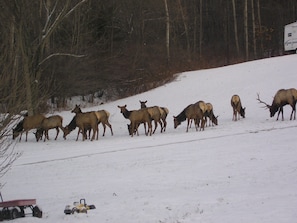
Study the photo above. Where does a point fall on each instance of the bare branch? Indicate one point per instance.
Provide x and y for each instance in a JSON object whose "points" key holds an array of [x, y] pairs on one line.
{"points": [[60, 54]]}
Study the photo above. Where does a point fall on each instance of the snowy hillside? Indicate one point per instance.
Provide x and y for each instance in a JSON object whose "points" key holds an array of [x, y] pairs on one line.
{"points": [[244, 171]]}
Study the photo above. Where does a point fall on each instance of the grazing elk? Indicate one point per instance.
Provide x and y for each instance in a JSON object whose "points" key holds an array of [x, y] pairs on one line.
{"points": [[238, 110], [84, 121], [191, 112], [164, 112], [137, 117], [282, 97], [102, 116], [210, 115], [51, 122], [155, 113], [28, 123]]}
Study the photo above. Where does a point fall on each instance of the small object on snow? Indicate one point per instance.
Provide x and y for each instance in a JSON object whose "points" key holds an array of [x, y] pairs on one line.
{"points": [[78, 207]]}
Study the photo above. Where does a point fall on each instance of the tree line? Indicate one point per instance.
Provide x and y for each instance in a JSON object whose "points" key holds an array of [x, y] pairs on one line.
{"points": [[57, 49]]}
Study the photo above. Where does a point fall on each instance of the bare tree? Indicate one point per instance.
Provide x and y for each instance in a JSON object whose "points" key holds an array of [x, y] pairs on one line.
{"points": [[31, 41], [254, 29], [167, 32], [235, 27], [185, 27], [246, 33]]}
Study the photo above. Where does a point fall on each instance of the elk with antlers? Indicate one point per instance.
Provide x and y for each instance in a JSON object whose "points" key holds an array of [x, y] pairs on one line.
{"points": [[282, 97]]}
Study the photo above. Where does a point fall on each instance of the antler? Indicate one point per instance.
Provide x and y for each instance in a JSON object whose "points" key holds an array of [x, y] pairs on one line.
{"points": [[262, 102]]}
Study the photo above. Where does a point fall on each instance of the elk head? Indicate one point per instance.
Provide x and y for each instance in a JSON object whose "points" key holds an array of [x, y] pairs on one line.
{"points": [[176, 122], [76, 110]]}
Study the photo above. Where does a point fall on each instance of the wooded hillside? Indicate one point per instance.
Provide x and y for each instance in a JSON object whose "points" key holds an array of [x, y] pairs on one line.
{"points": [[57, 49]]}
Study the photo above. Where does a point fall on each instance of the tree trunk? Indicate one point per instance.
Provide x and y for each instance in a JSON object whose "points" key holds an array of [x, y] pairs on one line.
{"points": [[254, 30], [235, 27], [260, 26], [200, 30], [167, 32], [246, 34], [186, 29]]}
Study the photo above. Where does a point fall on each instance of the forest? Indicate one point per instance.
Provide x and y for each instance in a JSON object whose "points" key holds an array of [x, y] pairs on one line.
{"points": [[54, 49]]}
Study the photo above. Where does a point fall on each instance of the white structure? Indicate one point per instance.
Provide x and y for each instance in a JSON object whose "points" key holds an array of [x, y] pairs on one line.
{"points": [[290, 37]]}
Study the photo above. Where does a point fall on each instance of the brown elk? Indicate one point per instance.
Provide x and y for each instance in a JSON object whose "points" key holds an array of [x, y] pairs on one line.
{"points": [[238, 110], [137, 117], [155, 113], [103, 116], [28, 123], [84, 121], [282, 97], [191, 112], [51, 122], [210, 115]]}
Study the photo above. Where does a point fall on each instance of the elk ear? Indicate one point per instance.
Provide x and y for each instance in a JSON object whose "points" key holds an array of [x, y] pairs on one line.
{"points": [[145, 101]]}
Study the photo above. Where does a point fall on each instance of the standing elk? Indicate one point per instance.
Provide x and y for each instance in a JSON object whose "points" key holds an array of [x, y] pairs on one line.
{"points": [[209, 113], [282, 97], [28, 123], [103, 116], [137, 117], [238, 110], [191, 112], [51, 122], [158, 114]]}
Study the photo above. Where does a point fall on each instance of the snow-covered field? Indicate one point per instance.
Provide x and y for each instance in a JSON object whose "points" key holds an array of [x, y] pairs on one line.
{"points": [[244, 171]]}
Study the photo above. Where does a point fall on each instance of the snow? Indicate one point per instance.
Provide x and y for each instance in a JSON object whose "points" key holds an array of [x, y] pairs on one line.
{"points": [[244, 171]]}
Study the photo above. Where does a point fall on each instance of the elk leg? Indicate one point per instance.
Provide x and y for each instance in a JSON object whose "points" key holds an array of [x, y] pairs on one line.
{"points": [[161, 125], [188, 125], [156, 125], [164, 125], [57, 128], [104, 128], [79, 129], [109, 125], [280, 111], [150, 128], [144, 125], [234, 115], [293, 111]]}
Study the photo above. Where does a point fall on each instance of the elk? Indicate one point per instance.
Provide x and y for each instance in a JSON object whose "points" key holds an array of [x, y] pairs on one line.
{"points": [[51, 122], [191, 112], [203, 108], [238, 110], [155, 113], [84, 121], [164, 112], [28, 123], [103, 116], [282, 97], [137, 117], [210, 115]]}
